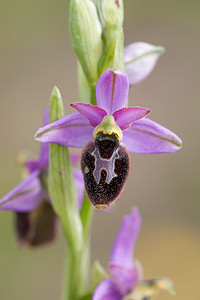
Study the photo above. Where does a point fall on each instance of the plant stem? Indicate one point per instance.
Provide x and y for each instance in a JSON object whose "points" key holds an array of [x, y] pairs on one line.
{"points": [[75, 276], [76, 271], [93, 94]]}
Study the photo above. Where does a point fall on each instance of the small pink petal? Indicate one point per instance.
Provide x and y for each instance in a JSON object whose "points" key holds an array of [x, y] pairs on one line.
{"points": [[94, 114], [126, 116]]}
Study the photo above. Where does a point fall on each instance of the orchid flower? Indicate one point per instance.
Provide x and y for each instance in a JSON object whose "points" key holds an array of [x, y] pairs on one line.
{"points": [[107, 132], [35, 218], [126, 280]]}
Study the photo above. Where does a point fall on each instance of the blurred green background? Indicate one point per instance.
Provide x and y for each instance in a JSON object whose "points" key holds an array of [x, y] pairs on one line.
{"points": [[35, 55]]}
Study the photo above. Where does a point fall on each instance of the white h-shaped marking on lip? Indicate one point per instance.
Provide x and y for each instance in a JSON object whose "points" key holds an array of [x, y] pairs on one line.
{"points": [[104, 164]]}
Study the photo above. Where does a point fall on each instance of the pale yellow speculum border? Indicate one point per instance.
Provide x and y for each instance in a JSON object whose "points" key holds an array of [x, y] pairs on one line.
{"points": [[108, 126]]}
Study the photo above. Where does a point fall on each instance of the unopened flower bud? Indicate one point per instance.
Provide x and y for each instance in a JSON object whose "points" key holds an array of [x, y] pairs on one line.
{"points": [[85, 31], [112, 13], [140, 59]]}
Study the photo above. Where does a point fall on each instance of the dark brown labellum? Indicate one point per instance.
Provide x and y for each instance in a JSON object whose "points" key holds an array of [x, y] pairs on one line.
{"points": [[37, 227], [105, 167]]}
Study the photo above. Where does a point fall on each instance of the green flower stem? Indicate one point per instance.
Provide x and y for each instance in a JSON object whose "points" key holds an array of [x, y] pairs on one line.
{"points": [[63, 195], [113, 54], [76, 274], [87, 92], [83, 84], [93, 94]]}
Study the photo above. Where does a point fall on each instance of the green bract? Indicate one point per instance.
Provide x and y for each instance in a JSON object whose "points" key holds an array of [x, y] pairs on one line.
{"points": [[63, 196], [61, 181]]}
